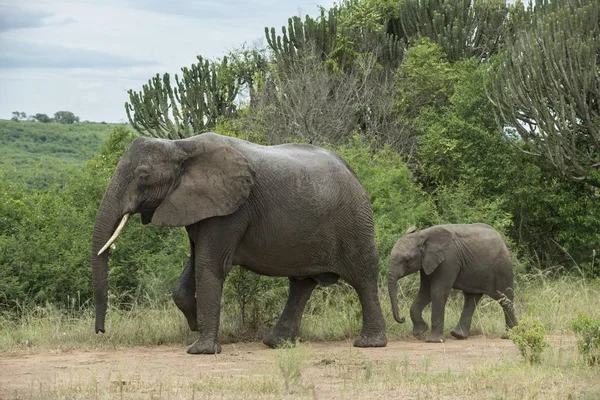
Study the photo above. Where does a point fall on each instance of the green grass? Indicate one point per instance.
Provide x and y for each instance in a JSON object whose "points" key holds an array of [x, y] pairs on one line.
{"points": [[290, 359], [129, 386], [559, 377], [333, 313]]}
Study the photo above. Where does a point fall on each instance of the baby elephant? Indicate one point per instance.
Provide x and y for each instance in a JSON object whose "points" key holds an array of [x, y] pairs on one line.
{"points": [[472, 258]]}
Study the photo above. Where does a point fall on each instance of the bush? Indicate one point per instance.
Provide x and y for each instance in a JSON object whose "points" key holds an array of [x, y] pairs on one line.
{"points": [[588, 338], [290, 359], [458, 205], [530, 338]]}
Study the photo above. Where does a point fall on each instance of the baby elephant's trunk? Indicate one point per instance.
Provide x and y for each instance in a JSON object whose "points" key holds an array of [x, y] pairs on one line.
{"points": [[393, 290]]}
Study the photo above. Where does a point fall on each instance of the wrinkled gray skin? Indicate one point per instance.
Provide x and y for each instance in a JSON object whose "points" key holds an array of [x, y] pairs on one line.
{"points": [[290, 210], [472, 258]]}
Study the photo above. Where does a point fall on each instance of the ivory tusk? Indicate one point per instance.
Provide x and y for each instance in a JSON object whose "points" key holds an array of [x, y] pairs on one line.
{"points": [[115, 235]]}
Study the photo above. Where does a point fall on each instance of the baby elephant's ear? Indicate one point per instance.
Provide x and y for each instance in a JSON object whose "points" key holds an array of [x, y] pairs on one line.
{"points": [[215, 179], [436, 246]]}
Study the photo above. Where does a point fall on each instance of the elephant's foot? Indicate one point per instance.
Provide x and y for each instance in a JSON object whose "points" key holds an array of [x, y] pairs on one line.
{"points": [[210, 346], [435, 338], [276, 339], [419, 328], [379, 340], [459, 333]]}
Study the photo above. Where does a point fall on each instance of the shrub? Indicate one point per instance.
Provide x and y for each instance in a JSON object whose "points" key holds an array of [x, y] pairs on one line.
{"points": [[530, 338], [588, 338], [290, 358]]}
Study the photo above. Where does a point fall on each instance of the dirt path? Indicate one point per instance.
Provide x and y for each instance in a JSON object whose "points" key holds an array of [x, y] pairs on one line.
{"points": [[151, 372]]}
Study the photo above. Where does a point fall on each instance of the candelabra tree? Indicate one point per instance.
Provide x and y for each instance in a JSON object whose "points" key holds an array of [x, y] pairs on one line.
{"points": [[318, 33], [462, 28], [338, 36], [203, 94], [545, 87]]}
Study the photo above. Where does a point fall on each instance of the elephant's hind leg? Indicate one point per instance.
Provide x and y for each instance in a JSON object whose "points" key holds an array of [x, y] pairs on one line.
{"points": [[184, 295], [508, 306], [372, 333], [463, 328], [288, 326]]}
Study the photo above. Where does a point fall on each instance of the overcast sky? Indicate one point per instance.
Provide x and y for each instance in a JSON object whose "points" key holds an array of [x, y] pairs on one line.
{"points": [[83, 55]]}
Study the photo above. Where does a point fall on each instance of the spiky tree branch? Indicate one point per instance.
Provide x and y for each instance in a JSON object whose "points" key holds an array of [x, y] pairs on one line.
{"points": [[205, 92], [463, 28], [546, 85]]}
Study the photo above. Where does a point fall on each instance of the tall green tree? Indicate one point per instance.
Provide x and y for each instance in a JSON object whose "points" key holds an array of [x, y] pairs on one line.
{"points": [[19, 116], [42, 118], [545, 86], [65, 117]]}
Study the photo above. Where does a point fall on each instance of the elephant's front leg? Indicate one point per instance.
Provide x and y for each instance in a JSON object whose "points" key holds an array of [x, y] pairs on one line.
{"points": [[288, 326], [184, 294], [210, 270], [416, 309], [439, 296]]}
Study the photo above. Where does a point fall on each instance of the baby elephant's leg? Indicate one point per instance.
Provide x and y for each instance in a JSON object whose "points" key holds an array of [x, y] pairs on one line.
{"points": [[461, 331]]}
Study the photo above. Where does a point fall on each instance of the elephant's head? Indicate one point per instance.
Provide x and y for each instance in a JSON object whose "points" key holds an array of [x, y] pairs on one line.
{"points": [[170, 183], [416, 251]]}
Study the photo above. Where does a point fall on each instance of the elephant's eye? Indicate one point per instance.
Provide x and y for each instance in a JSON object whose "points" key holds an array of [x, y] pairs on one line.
{"points": [[142, 175]]}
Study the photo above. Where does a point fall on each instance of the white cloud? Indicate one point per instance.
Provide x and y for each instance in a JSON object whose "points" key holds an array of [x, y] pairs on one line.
{"points": [[83, 55], [31, 55]]}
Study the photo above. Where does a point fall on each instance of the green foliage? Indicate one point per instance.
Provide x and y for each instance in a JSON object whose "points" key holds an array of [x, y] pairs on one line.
{"points": [[205, 93], [530, 338], [463, 29], [18, 116], [425, 79], [397, 201], [235, 127], [301, 36], [64, 117], [43, 118], [41, 154], [588, 338], [550, 97], [258, 299], [457, 204], [338, 37], [44, 243], [474, 173]]}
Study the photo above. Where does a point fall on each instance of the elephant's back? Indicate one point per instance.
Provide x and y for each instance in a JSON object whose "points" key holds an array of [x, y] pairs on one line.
{"points": [[311, 207], [306, 170]]}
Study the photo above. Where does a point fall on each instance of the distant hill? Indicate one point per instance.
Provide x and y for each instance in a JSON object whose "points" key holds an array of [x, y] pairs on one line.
{"points": [[39, 153]]}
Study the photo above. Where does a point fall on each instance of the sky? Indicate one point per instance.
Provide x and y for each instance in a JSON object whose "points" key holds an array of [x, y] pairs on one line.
{"points": [[83, 56]]}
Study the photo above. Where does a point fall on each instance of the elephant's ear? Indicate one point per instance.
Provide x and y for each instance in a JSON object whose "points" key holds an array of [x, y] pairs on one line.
{"points": [[435, 248], [215, 179]]}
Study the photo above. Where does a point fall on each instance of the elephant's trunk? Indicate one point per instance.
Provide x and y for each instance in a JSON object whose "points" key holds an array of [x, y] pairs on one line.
{"points": [[107, 218], [393, 277]]}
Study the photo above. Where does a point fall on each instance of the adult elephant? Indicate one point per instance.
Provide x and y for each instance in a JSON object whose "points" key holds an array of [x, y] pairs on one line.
{"points": [[472, 258], [291, 210]]}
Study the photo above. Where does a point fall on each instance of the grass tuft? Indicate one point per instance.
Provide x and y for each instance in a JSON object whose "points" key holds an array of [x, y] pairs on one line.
{"points": [[290, 359]]}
